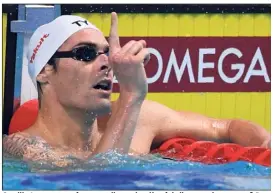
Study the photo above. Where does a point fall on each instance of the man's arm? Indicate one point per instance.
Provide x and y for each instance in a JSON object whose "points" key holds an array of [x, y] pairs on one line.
{"points": [[120, 127], [128, 66], [169, 123]]}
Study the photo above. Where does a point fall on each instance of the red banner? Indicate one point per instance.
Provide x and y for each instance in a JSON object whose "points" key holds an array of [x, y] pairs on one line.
{"points": [[208, 64]]}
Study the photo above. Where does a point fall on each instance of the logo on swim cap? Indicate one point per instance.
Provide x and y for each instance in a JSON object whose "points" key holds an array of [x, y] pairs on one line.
{"points": [[37, 47], [79, 22]]}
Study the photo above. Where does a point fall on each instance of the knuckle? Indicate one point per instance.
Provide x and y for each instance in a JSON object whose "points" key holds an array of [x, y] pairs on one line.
{"points": [[139, 44], [128, 59], [131, 42], [115, 58], [143, 43]]}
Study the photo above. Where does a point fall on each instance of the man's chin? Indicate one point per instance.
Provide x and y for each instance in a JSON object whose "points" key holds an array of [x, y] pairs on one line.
{"points": [[104, 107]]}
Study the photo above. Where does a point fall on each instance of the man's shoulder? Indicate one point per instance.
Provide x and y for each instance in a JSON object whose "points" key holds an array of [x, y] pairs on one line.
{"points": [[155, 108], [16, 144], [152, 113], [149, 106], [14, 137]]}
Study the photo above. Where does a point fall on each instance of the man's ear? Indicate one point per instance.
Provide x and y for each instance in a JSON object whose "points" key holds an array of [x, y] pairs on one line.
{"points": [[43, 77]]}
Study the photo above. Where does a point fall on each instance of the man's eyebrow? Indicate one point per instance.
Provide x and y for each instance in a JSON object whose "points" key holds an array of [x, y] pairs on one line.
{"points": [[91, 44], [86, 44]]}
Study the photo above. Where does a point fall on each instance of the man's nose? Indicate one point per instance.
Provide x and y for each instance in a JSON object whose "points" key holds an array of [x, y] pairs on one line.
{"points": [[103, 60], [106, 68]]}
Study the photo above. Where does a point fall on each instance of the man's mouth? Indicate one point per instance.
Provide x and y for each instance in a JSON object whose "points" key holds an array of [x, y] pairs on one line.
{"points": [[103, 85]]}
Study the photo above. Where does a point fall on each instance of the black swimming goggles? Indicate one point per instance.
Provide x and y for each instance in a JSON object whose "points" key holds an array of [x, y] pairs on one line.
{"points": [[83, 53]]}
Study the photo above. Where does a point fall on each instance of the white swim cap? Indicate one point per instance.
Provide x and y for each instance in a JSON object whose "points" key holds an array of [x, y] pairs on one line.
{"points": [[47, 39]]}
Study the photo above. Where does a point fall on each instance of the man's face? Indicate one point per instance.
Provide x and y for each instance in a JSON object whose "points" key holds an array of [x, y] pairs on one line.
{"points": [[84, 84]]}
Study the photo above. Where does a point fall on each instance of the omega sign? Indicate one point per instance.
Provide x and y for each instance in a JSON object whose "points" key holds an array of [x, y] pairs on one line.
{"points": [[208, 64]]}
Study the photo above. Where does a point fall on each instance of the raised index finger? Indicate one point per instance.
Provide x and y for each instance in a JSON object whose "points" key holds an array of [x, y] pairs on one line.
{"points": [[113, 36]]}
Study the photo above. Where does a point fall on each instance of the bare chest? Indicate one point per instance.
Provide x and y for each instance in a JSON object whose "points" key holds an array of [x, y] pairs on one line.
{"points": [[141, 141]]}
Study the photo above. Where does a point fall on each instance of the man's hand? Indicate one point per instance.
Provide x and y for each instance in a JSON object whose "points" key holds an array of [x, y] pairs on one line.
{"points": [[128, 63], [128, 66]]}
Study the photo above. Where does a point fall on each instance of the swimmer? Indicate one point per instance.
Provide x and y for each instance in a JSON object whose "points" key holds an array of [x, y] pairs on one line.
{"points": [[72, 65]]}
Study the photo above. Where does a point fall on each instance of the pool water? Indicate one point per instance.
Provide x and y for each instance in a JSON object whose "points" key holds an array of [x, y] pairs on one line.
{"points": [[113, 171]]}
